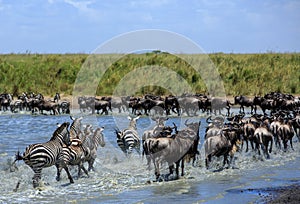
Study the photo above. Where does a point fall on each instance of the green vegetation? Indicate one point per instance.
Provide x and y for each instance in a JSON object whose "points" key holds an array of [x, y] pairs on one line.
{"points": [[247, 74]]}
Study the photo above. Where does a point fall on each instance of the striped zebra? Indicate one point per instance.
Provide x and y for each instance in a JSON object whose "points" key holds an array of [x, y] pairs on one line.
{"points": [[73, 155], [42, 155], [75, 127], [128, 139], [92, 143]]}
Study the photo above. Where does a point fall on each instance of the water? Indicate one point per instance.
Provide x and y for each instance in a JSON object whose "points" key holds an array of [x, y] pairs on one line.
{"points": [[121, 180]]}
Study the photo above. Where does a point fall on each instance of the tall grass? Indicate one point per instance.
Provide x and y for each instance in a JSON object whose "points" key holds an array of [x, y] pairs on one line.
{"points": [[246, 74]]}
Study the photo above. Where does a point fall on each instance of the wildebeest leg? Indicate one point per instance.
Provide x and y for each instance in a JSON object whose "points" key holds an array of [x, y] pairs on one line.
{"points": [[182, 167], [265, 150], [247, 145], [171, 168], [257, 148], [207, 161], [228, 111], [156, 167], [284, 145], [291, 142], [271, 146], [225, 160]]}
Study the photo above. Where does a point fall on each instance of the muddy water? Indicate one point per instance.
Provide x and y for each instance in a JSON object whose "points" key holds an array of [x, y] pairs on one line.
{"points": [[121, 180]]}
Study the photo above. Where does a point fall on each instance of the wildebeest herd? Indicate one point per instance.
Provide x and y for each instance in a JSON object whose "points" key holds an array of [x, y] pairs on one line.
{"points": [[186, 104], [224, 135], [35, 103]]}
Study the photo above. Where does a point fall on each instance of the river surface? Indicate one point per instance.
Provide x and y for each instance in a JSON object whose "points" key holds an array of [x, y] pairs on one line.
{"points": [[121, 180]]}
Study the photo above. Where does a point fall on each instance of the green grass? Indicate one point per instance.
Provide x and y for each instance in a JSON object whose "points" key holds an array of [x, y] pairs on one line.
{"points": [[246, 74]]}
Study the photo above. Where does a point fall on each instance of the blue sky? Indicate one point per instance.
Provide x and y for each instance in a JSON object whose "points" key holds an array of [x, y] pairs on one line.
{"points": [[71, 26]]}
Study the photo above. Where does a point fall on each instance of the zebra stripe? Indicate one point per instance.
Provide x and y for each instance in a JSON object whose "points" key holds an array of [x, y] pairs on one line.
{"points": [[42, 155], [71, 155], [75, 127], [94, 141], [128, 141]]}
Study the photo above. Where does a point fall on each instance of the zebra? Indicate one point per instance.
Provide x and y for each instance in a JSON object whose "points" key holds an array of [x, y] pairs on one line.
{"points": [[75, 127], [42, 155], [96, 140], [128, 139], [76, 152], [73, 154]]}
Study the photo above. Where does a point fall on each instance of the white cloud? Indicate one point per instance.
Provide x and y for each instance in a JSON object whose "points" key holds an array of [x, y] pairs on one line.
{"points": [[80, 5]]}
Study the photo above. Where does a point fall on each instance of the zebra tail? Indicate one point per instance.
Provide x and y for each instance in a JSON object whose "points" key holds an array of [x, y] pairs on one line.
{"points": [[18, 156]]}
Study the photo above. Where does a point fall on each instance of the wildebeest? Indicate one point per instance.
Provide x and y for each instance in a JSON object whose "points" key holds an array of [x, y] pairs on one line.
{"points": [[286, 133], [224, 144], [244, 101], [218, 104], [52, 107], [263, 137], [173, 149]]}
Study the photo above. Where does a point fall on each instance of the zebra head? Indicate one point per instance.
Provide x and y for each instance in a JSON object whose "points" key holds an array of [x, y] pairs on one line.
{"points": [[98, 136], [132, 123], [62, 133], [118, 133], [75, 126]]}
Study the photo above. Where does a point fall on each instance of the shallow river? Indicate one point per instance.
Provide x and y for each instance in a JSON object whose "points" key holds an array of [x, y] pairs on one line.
{"points": [[121, 180]]}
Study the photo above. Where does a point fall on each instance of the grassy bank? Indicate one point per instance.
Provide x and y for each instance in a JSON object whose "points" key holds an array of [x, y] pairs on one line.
{"points": [[247, 74]]}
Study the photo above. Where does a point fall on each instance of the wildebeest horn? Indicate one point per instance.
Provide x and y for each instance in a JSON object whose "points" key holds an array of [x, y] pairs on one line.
{"points": [[209, 118], [186, 122], [175, 128]]}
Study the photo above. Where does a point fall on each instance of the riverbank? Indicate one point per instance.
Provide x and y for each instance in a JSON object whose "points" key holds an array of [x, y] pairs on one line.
{"points": [[281, 195]]}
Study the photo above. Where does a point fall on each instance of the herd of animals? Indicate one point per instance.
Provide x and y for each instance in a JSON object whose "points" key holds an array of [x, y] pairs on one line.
{"points": [[76, 144], [189, 104]]}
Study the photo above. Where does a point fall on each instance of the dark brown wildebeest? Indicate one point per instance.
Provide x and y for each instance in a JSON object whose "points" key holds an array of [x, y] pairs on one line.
{"points": [[263, 137], [173, 149], [225, 144], [243, 101], [52, 107], [286, 134]]}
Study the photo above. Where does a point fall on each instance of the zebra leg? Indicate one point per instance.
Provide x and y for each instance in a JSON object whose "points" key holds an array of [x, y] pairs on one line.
{"points": [[58, 172], [69, 175], [36, 177], [80, 166], [91, 163]]}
